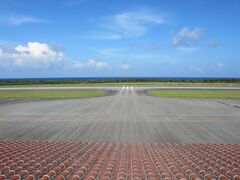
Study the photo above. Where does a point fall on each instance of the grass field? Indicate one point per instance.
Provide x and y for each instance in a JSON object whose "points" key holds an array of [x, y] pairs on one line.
{"points": [[185, 84], [51, 93], [217, 94]]}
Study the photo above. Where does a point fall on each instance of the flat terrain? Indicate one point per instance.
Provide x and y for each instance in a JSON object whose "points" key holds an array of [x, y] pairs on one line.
{"points": [[139, 84], [51, 93], [220, 94], [127, 115]]}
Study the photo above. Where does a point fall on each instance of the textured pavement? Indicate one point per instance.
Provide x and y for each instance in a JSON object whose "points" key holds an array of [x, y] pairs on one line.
{"points": [[112, 160], [127, 115]]}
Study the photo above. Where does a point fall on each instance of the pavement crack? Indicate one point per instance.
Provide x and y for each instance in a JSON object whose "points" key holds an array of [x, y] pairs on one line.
{"points": [[232, 105]]}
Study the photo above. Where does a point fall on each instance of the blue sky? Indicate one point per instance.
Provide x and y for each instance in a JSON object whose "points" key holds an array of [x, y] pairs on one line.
{"points": [[101, 38]]}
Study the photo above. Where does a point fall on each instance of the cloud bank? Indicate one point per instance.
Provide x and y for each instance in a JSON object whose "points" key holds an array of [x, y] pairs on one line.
{"points": [[186, 36], [10, 19], [34, 55], [125, 66], [213, 43], [91, 64], [129, 24]]}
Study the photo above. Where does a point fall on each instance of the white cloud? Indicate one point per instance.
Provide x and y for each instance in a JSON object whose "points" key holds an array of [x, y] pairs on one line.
{"points": [[125, 66], [15, 20], [188, 49], [33, 56], [220, 65], [133, 23], [110, 52], [91, 63], [37, 52], [104, 36], [77, 64], [97, 64], [186, 35], [213, 43], [1, 54]]}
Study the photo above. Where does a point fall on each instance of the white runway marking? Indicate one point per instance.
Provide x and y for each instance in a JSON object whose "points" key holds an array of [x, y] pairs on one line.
{"points": [[127, 87], [131, 87], [123, 87]]}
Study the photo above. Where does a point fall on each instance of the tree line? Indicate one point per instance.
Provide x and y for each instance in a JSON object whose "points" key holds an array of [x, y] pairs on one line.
{"points": [[120, 80]]}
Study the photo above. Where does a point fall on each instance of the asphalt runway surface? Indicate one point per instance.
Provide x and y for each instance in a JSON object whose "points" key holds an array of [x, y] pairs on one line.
{"points": [[128, 115]]}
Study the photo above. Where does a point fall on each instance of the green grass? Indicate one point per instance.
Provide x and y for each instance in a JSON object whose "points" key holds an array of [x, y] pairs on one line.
{"points": [[217, 94], [48, 94], [187, 84]]}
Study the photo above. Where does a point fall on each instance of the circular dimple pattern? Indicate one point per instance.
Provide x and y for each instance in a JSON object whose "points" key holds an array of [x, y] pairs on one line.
{"points": [[114, 160]]}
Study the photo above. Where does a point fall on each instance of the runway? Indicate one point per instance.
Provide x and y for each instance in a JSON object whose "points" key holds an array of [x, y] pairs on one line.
{"points": [[129, 115]]}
